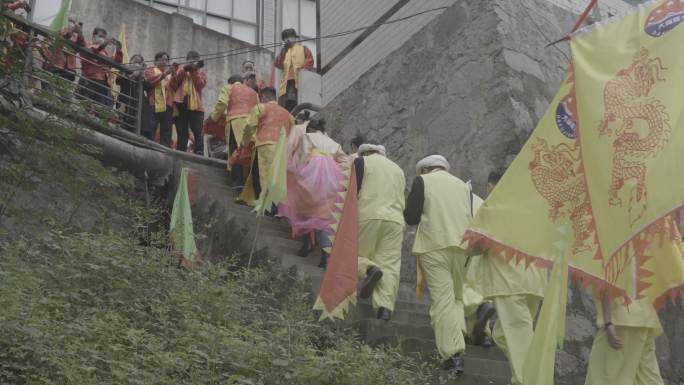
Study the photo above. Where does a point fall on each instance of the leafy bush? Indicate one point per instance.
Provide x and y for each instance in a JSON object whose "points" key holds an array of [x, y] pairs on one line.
{"points": [[99, 309]]}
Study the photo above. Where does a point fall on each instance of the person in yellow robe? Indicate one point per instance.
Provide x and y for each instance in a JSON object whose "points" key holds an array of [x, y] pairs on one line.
{"points": [[479, 312], [235, 100], [380, 184], [293, 58], [441, 205], [516, 292], [263, 126], [624, 350]]}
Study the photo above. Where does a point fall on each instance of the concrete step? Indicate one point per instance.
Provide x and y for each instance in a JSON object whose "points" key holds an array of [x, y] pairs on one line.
{"points": [[277, 245], [400, 314], [443, 378]]}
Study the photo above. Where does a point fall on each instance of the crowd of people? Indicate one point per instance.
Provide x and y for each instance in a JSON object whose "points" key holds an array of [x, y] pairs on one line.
{"points": [[484, 299], [172, 92]]}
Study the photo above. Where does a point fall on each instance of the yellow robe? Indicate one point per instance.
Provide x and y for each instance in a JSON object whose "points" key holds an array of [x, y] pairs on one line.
{"points": [[516, 293], [636, 363], [294, 58], [447, 212], [264, 151], [381, 226]]}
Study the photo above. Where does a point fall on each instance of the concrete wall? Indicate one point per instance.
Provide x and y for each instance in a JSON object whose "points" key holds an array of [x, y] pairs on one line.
{"points": [[472, 85], [150, 30]]}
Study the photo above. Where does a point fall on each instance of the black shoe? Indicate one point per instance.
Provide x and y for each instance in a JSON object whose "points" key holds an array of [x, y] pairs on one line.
{"points": [[454, 363], [373, 275], [384, 314], [487, 342], [484, 313], [324, 260]]}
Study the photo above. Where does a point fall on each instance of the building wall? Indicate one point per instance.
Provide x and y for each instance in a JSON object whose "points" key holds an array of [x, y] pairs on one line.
{"points": [[150, 31]]}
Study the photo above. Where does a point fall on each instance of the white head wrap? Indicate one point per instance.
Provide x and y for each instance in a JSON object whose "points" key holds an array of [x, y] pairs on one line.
{"points": [[372, 147], [432, 161]]}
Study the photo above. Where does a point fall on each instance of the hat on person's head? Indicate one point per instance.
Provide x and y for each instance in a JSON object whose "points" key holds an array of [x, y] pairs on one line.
{"points": [[367, 147], [304, 115], [317, 122], [432, 161], [288, 32]]}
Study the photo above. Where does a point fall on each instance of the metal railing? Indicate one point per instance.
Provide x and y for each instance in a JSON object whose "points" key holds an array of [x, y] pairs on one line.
{"points": [[49, 84]]}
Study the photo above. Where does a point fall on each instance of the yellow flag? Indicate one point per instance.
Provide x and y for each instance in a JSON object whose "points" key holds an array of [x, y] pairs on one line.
{"points": [[540, 360], [275, 190], [124, 45], [548, 187], [628, 78], [605, 158], [124, 50]]}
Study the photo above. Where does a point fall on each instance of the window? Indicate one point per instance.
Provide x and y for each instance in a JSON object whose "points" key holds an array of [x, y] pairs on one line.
{"points": [[237, 18], [220, 7], [245, 10], [301, 15]]}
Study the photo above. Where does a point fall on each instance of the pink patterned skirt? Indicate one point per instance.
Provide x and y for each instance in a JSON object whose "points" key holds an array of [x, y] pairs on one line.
{"points": [[313, 192]]}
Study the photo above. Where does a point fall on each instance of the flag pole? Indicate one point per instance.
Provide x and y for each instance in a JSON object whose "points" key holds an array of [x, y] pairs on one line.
{"points": [[256, 236]]}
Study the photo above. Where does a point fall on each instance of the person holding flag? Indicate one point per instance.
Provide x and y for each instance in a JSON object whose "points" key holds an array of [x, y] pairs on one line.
{"points": [[263, 126], [624, 350], [61, 61], [442, 206], [380, 183]]}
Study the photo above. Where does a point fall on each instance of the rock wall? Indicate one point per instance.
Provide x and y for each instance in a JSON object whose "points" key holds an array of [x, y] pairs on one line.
{"points": [[472, 85]]}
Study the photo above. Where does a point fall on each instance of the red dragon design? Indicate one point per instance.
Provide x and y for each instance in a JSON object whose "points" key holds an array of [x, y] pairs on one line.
{"points": [[626, 98]]}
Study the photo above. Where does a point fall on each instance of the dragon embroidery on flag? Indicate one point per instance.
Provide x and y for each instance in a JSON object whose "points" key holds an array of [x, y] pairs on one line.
{"points": [[554, 171], [626, 98]]}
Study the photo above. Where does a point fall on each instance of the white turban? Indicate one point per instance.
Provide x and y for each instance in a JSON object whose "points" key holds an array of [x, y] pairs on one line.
{"points": [[364, 148], [432, 161]]}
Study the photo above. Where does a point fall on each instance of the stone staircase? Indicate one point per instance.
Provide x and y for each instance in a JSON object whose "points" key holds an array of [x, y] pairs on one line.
{"points": [[410, 325], [228, 228]]}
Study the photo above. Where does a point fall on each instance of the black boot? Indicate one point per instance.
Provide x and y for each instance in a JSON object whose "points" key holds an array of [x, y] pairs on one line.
{"points": [[484, 313], [324, 260], [306, 247], [454, 363], [373, 275], [384, 314]]}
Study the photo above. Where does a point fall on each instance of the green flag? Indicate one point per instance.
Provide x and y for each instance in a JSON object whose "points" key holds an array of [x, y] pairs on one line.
{"points": [[181, 230], [61, 20], [550, 332], [275, 190]]}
